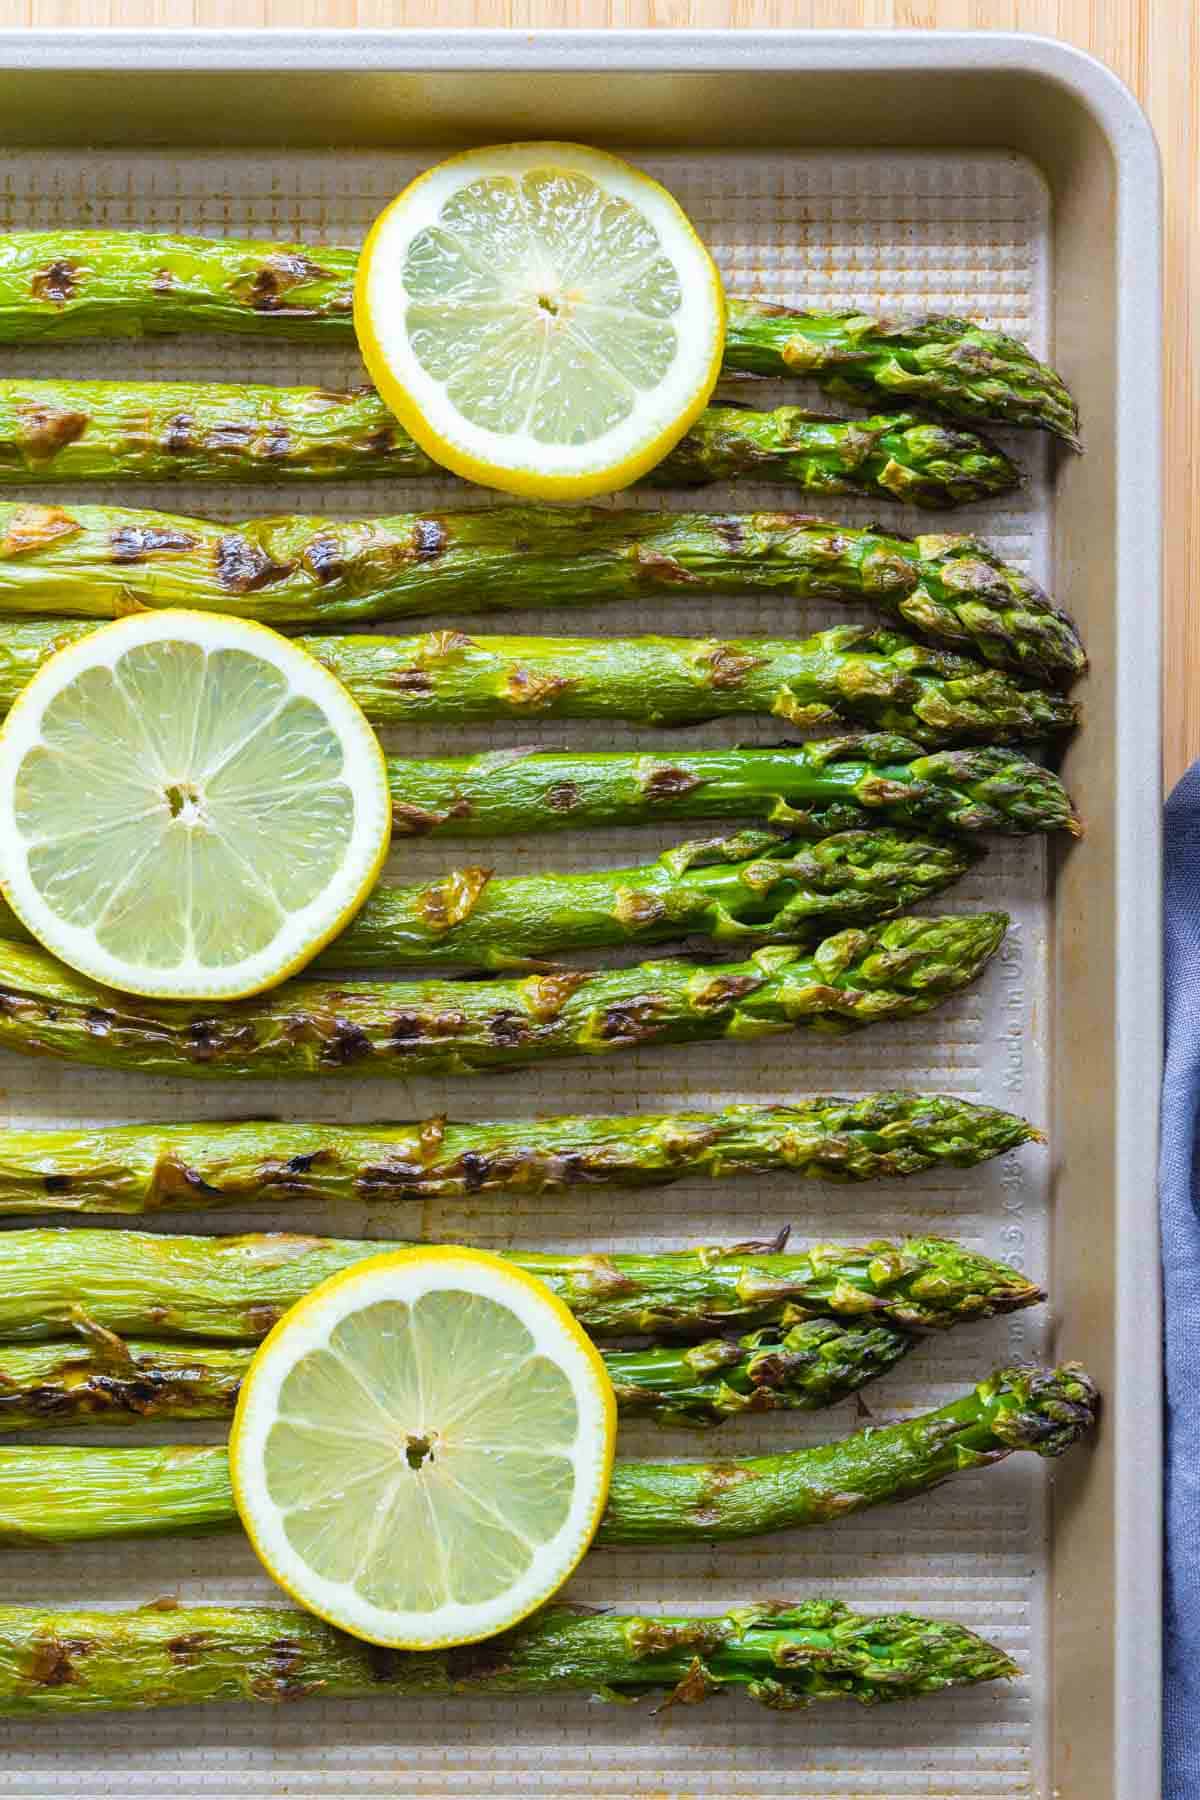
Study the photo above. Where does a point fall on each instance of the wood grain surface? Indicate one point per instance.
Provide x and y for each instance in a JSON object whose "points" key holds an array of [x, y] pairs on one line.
{"points": [[1154, 45]]}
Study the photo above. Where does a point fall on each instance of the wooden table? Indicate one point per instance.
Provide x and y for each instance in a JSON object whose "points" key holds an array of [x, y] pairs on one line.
{"points": [[1154, 45]]}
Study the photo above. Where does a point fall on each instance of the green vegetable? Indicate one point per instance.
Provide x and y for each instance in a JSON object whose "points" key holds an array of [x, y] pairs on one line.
{"points": [[719, 889], [219, 431], [1043, 1410], [106, 1380], [782, 1656], [833, 784], [472, 919], [956, 365], [813, 1364], [798, 789], [79, 284], [320, 1027], [98, 561], [154, 1168], [847, 672], [891, 456], [233, 1289], [67, 1494]]}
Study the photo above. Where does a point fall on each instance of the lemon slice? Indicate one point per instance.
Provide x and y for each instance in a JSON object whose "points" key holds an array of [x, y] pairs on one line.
{"points": [[422, 1447], [541, 317], [190, 805]]}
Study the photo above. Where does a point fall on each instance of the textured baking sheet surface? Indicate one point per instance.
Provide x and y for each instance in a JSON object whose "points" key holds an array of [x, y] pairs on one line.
{"points": [[969, 234]]}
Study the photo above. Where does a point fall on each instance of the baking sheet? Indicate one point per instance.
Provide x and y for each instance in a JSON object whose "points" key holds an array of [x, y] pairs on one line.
{"points": [[963, 233]]}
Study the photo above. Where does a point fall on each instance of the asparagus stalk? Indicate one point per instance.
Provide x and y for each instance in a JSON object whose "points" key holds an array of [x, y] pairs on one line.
{"points": [[957, 366], [889, 456], [234, 1289], [826, 785], [719, 889], [851, 672], [800, 790], [469, 918], [813, 1364], [81, 284], [444, 677], [103, 1379], [70, 1494], [97, 561], [1042, 1410], [822, 786], [312, 1027], [155, 1168], [108, 1380], [781, 1656], [191, 431]]}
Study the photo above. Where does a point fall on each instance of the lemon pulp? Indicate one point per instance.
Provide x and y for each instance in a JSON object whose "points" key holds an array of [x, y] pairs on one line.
{"points": [[422, 1447], [189, 805], [542, 317]]}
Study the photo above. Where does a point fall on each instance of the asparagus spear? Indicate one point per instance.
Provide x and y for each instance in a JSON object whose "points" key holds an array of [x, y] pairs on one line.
{"points": [[233, 1289], [813, 1364], [739, 891], [851, 672], [97, 561], [781, 1656], [192, 431], [103, 1379], [132, 284], [825, 786], [70, 1494], [1042, 1410], [956, 365], [312, 1027], [470, 918], [108, 1380], [153, 1168], [890, 456], [719, 889], [79, 284], [801, 790]]}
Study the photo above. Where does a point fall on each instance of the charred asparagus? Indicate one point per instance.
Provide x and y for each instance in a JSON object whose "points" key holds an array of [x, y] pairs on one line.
{"points": [[233, 1289], [68, 1494], [152, 1168], [97, 561], [103, 1379], [78, 284], [72, 1663], [310, 1027]]}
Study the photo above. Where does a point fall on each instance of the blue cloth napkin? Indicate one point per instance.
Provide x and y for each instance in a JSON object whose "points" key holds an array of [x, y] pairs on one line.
{"points": [[1179, 1199]]}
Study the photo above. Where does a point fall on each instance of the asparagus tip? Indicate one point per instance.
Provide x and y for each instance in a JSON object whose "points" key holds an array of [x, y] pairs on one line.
{"points": [[1045, 1410]]}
